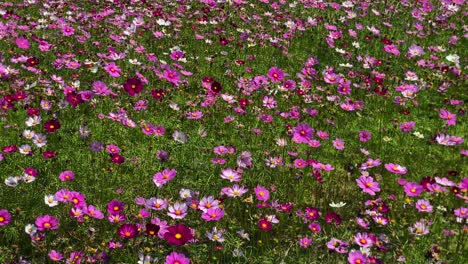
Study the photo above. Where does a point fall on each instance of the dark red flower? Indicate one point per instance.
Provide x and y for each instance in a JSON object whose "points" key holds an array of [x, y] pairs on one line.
{"points": [[223, 42], [243, 102], [117, 158], [49, 154], [74, 99], [52, 125], [33, 111], [133, 86], [128, 231], [152, 230], [31, 62], [333, 218], [178, 235], [386, 41], [158, 94], [216, 87], [264, 224], [20, 96]]}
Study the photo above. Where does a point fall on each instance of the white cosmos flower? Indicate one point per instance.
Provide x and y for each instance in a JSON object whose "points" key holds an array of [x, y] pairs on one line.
{"points": [[30, 229], [12, 181], [50, 200], [337, 205]]}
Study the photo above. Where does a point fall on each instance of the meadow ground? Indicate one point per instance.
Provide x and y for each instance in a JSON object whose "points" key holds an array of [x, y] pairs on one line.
{"points": [[233, 131]]}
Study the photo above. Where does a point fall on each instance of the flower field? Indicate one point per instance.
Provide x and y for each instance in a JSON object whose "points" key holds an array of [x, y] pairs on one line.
{"points": [[233, 131]]}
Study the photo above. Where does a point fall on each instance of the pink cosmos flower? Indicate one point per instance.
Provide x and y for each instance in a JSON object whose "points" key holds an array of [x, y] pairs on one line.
{"points": [[113, 69], [213, 214], [450, 119], [68, 30], [156, 204], [364, 136], [461, 212], [363, 240], [315, 227], [5, 217], [275, 74], [177, 211], [176, 258], [262, 193], [115, 207], [370, 163], [300, 163], [22, 43], [407, 126], [234, 191], [46, 222], [423, 206], [368, 185], [207, 203], [356, 257], [172, 76], [161, 178], [305, 242], [55, 255], [93, 212], [413, 189], [302, 133], [230, 174], [396, 168], [339, 144], [67, 176]]}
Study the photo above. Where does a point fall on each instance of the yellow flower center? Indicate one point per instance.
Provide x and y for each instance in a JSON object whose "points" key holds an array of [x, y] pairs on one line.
{"points": [[178, 236]]}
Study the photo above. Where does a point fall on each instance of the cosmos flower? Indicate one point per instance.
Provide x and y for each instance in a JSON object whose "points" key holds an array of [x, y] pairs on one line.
{"points": [[52, 125], [356, 257], [302, 133], [395, 168], [264, 224], [368, 185], [213, 214], [275, 74], [178, 235], [262, 193], [128, 231], [133, 86], [176, 258], [113, 69], [46, 222], [305, 242], [423, 206], [5, 217]]}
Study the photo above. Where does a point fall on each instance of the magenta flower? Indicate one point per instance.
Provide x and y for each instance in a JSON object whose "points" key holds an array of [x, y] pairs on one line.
{"points": [[114, 207], [275, 74], [46, 222], [262, 193], [396, 168], [413, 189], [22, 43], [302, 133], [67, 176], [55, 255], [450, 119], [93, 212], [176, 258], [178, 235], [113, 69], [356, 257], [312, 213], [368, 185], [172, 76], [128, 231], [407, 126], [68, 30], [161, 178], [364, 136], [370, 163], [461, 212], [5, 217], [300, 163], [213, 214], [339, 144], [423, 206], [315, 227], [305, 242]]}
